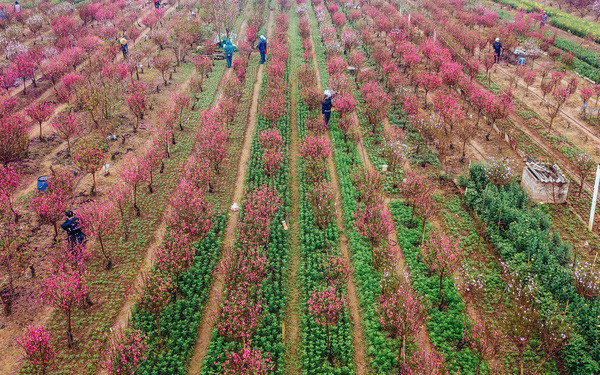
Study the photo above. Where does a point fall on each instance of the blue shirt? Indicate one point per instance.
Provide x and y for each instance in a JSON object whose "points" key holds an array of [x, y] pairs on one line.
{"points": [[262, 45]]}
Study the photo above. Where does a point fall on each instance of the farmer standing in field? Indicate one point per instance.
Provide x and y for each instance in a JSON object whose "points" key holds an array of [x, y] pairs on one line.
{"points": [[262, 48], [73, 228], [17, 7], [543, 19], [497, 50], [228, 48], [157, 4], [124, 47], [326, 106]]}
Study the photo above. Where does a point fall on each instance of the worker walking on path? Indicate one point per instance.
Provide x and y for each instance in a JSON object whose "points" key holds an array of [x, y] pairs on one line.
{"points": [[543, 19], [228, 48], [326, 107], [497, 46], [262, 48]]}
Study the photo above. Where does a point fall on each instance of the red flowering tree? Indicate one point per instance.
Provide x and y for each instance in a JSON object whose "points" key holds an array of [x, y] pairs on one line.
{"points": [[529, 77], [259, 210], [344, 102], [336, 272], [211, 140], [14, 258], [247, 266], [401, 315], [50, 206], [24, 67], [315, 150], [67, 125], [40, 112], [14, 136], [137, 102], [377, 103], [89, 157], [134, 173], [162, 63], [125, 352], [36, 346], [100, 219], [192, 214], [155, 295], [9, 180], [484, 344], [429, 82], [197, 170], [272, 107], [326, 307], [65, 291], [323, 205], [442, 257], [176, 255], [181, 101], [368, 183], [271, 142], [559, 97], [248, 361], [375, 223], [241, 314]]}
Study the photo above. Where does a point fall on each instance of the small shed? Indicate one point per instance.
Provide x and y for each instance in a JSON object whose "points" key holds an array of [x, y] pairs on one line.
{"points": [[545, 183]]}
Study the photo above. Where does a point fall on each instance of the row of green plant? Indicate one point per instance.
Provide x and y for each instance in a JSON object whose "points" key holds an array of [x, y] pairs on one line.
{"points": [[525, 240], [187, 313], [445, 328], [381, 353], [557, 18], [588, 56], [318, 248], [268, 338], [180, 320]]}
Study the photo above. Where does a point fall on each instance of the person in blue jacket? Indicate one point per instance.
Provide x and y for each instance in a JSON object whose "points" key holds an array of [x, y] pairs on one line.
{"points": [[497, 46], [326, 106], [124, 47], [262, 48], [228, 49]]}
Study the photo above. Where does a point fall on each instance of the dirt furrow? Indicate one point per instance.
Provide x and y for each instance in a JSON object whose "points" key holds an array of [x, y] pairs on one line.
{"points": [[214, 297], [292, 316]]}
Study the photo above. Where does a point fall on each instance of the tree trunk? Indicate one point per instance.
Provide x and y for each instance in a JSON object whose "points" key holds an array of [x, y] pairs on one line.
{"points": [[109, 264], [69, 331], [137, 209]]}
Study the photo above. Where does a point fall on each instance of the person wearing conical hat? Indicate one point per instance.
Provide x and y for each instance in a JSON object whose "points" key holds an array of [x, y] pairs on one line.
{"points": [[124, 47]]}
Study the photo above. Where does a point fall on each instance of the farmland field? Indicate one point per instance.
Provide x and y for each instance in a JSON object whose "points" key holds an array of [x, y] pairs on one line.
{"points": [[298, 187]]}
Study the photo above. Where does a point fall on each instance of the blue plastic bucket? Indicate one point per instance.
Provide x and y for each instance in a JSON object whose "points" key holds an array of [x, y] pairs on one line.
{"points": [[42, 183]]}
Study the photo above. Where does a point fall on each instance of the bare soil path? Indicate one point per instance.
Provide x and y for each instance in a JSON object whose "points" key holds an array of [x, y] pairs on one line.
{"points": [[292, 310], [216, 292]]}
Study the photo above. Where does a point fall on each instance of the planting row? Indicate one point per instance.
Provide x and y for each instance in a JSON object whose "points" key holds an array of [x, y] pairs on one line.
{"points": [[249, 330]]}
